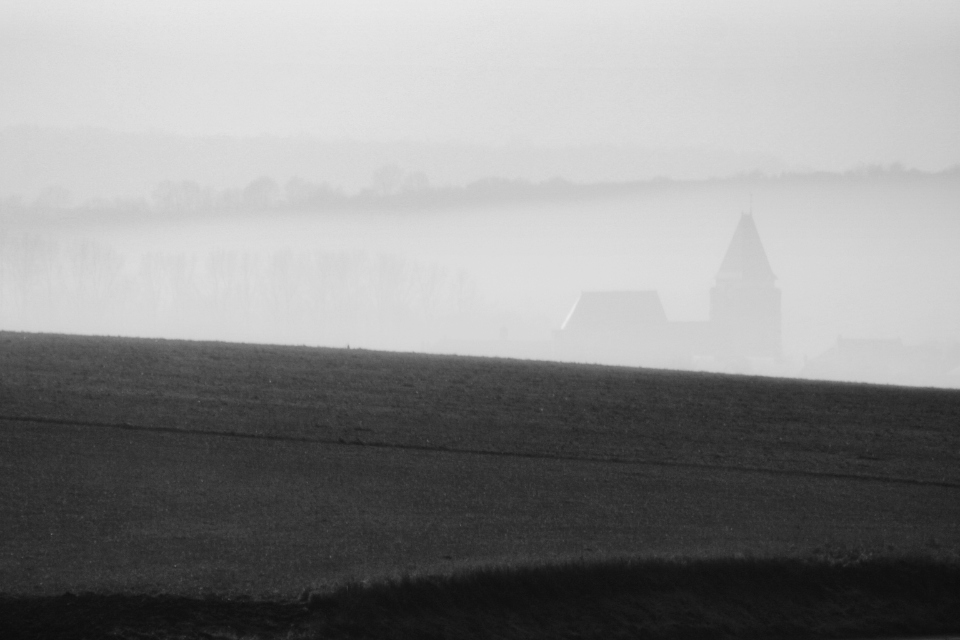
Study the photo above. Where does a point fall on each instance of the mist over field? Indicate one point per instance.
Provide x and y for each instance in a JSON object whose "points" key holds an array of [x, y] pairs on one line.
{"points": [[410, 176], [857, 256]]}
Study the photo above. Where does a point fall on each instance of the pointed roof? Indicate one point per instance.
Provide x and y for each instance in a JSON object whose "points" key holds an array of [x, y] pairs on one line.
{"points": [[615, 312], [746, 260]]}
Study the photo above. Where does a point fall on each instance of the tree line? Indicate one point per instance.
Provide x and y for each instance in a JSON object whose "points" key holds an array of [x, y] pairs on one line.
{"points": [[392, 187], [304, 297]]}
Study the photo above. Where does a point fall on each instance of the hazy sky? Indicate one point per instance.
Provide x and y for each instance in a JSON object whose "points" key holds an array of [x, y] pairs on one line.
{"points": [[824, 84]]}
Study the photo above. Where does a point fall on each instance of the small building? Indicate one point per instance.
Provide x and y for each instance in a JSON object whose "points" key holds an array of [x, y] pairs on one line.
{"points": [[886, 361], [615, 327]]}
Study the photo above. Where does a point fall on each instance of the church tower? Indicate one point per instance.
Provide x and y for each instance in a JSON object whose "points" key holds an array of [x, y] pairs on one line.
{"points": [[745, 303]]}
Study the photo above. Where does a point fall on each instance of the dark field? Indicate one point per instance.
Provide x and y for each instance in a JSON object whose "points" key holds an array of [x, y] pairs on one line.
{"points": [[142, 465], [736, 599]]}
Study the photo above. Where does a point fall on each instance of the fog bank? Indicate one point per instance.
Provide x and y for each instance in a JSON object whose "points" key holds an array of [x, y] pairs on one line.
{"points": [[868, 258]]}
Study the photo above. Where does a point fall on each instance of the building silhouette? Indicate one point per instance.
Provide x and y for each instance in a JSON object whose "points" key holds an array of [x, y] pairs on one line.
{"points": [[617, 327], [887, 361], [631, 328], [745, 302]]}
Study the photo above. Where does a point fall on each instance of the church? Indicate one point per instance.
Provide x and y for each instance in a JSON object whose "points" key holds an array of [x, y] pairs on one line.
{"points": [[631, 327]]}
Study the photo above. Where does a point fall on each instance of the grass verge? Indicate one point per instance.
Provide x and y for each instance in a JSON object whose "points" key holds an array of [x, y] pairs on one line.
{"points": [[830, 596]]}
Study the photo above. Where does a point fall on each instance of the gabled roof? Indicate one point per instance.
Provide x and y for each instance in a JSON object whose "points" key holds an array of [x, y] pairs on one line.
{"points": [[615, 312], [746, 260]]}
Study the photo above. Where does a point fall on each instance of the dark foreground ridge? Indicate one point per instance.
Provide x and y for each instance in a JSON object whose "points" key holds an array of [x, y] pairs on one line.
{"points": [[184, 469], [835, 596], [474, 451]]}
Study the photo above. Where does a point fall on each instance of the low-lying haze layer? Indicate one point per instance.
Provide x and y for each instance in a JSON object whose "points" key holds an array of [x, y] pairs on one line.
{"points": [[855, 257]]}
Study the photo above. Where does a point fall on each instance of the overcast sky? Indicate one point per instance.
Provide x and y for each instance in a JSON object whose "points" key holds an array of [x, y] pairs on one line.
{"points": [[823, 84]]}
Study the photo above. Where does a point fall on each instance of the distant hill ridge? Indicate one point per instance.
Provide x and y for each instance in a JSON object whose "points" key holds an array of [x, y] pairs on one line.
{"points": [[93, 168]]}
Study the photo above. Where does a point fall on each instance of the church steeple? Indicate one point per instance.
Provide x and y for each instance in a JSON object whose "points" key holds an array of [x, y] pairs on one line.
{"points": [[746, 261], [745, 303]]}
